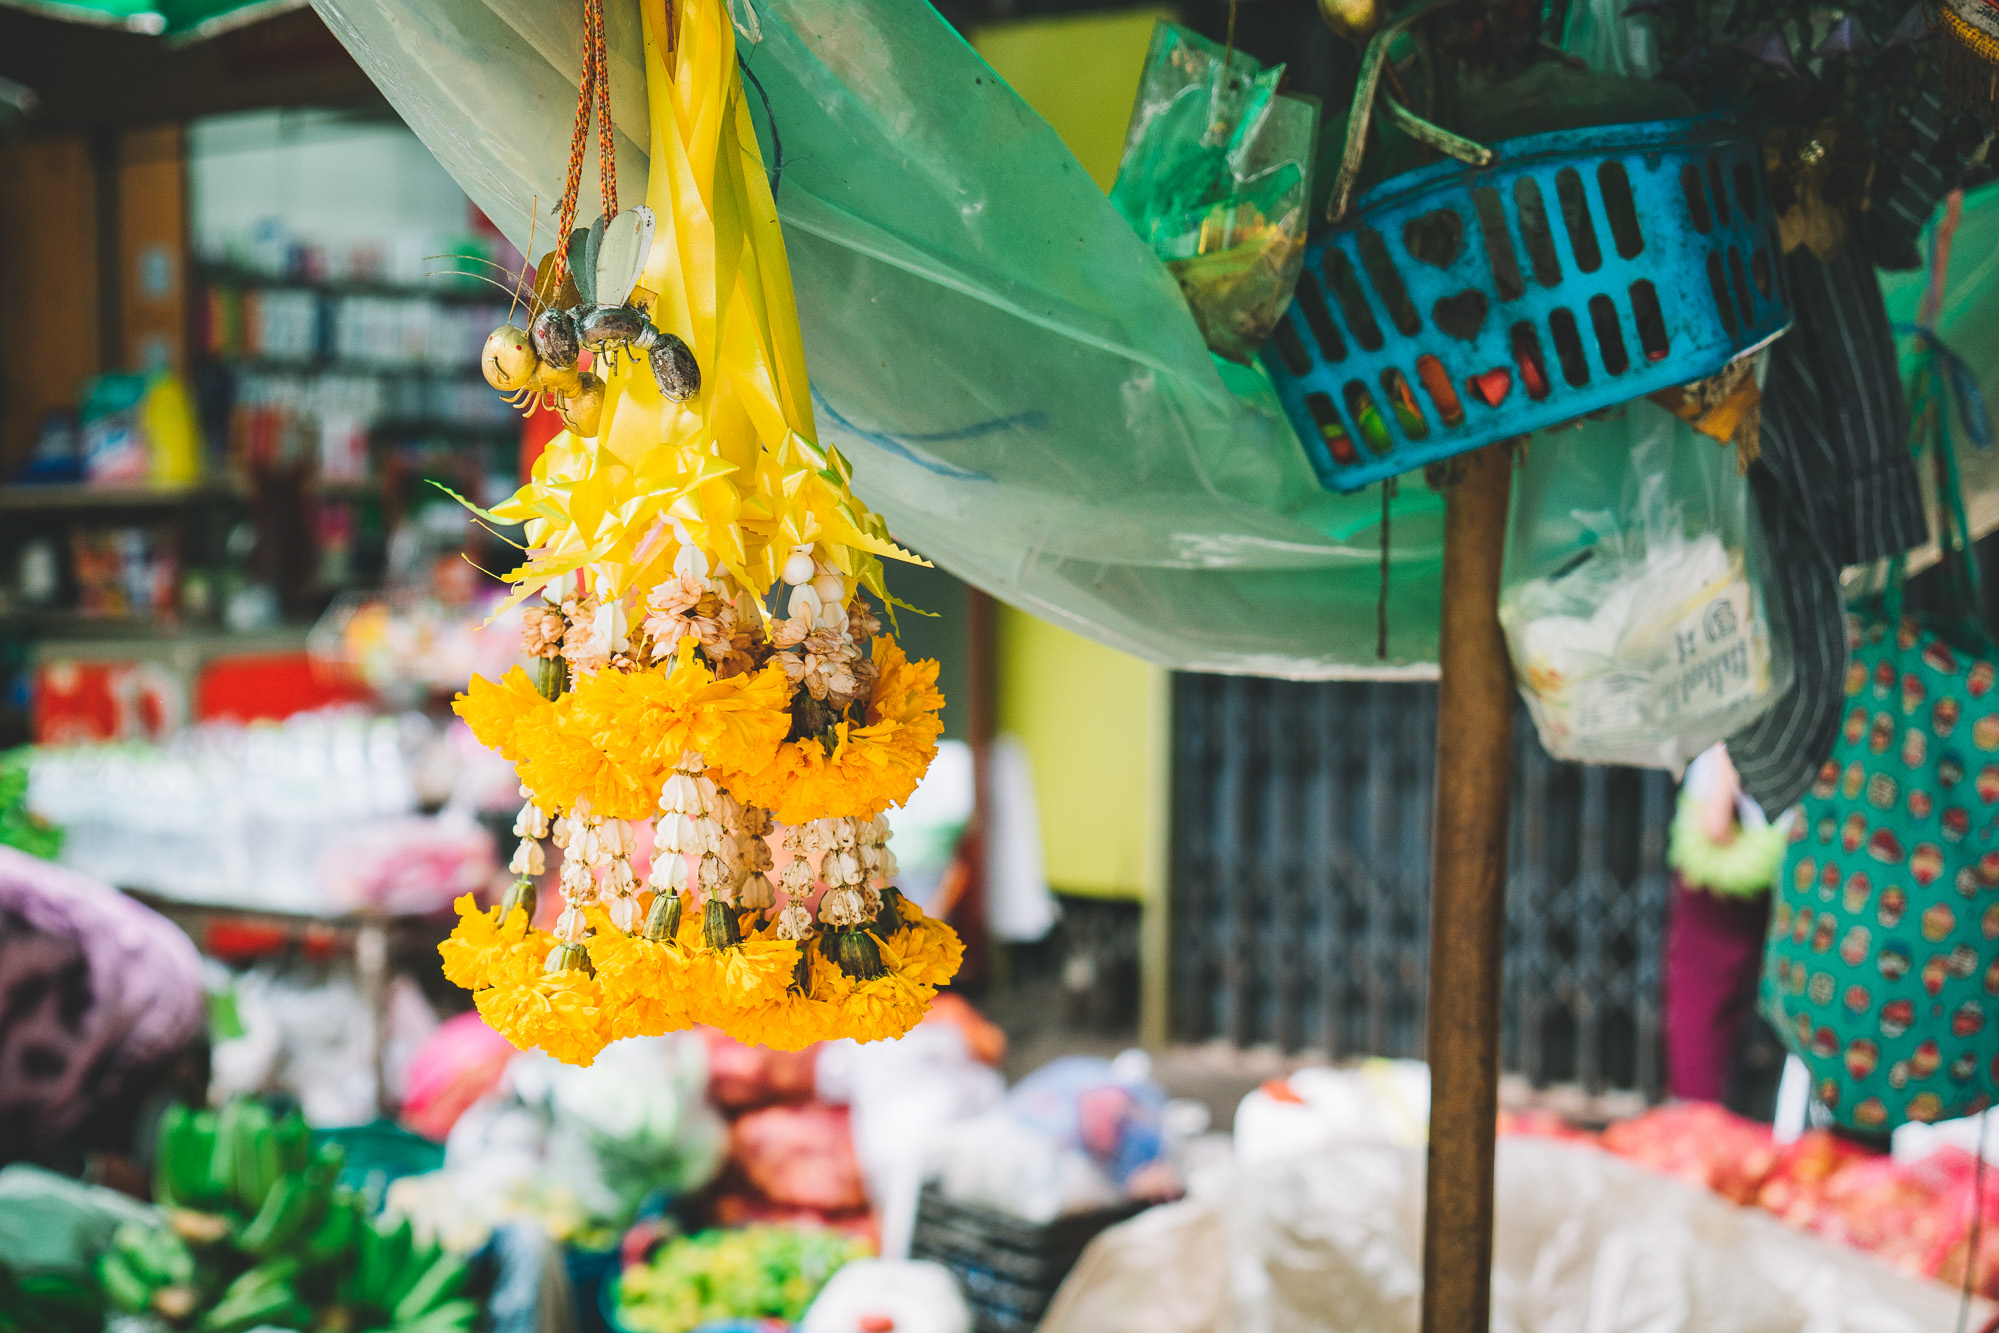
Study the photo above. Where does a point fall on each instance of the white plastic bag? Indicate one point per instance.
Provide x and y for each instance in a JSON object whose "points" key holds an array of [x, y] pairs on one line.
{"points": [[906, 1295], [1631, 599], [1584, 1243]]}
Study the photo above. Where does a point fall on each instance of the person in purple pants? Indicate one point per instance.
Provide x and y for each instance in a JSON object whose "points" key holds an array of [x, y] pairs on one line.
{"points": [[1724, 856]]}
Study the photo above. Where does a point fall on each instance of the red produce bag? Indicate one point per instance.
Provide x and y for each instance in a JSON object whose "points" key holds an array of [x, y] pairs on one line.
{"points": [[1700, 1143], [800, 1156]]}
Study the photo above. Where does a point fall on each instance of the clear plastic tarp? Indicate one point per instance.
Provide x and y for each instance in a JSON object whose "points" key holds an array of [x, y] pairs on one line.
{"points": [[1014, 375]]}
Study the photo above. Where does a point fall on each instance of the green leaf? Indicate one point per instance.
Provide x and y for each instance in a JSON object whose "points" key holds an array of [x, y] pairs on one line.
{"points": [[467, 503]]}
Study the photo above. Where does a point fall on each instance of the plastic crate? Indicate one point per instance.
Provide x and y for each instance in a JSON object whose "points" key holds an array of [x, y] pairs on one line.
{"points": [[1461, 305], [379, 1154], [1009, 1268]]}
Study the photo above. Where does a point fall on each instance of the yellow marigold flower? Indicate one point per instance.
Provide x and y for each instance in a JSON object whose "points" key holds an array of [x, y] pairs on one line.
{"points": [[644, 720], [555, 762], [482, 952], [872, 767], [615, 737], [791, 1021], [885, 1008], [927, 950], [643, 983], [724, 983], [877, 1010], [560, 1012], [495, 711]]}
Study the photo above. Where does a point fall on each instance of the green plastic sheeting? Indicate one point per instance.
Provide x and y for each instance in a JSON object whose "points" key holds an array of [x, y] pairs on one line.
{"points": [[180, 20], [1014, 375], [1969, 326]]}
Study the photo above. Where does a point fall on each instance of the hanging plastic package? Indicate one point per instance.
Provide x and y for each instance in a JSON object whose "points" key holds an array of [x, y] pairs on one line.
{"points": [[1012, 372], [1639, 634], [1611, 39], [1966, 320], [1883, 955], [1215, 179]]}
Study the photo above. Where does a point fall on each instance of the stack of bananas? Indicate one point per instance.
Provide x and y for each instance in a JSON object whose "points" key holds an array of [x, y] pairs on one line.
{"points": [[256, 1234]]}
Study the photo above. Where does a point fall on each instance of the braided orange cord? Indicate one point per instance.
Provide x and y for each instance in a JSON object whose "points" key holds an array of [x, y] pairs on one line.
{"points": [[579, 141], [593, 92], [607, 153]]}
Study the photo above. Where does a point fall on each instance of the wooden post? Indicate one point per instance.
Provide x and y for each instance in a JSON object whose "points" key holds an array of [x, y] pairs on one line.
{"points": [[1467, 900]]}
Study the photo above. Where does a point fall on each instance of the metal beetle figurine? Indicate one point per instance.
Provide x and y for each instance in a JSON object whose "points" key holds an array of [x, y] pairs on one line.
{"points": [[611, 329], [606, 331], [540, 363]]}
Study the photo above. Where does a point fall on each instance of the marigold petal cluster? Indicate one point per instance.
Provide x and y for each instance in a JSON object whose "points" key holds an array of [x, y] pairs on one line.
{"points": [[872, 767], [613, 740], [562, 1013], [484, 951], [645, 984]]}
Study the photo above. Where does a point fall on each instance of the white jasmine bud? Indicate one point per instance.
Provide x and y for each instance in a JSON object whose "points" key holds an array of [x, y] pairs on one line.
{"points": [[579, 883], [624, 914], [794, 922], [798, 566], [669, 873], [843, 908]]}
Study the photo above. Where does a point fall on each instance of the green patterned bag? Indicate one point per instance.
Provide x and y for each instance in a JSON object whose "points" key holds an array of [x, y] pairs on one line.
{"points": [[1882, 966]]}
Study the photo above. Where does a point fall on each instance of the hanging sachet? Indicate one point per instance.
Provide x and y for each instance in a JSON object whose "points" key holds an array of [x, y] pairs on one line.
{"points": [[1632, 598], [1881, 971], [1215, 178]]}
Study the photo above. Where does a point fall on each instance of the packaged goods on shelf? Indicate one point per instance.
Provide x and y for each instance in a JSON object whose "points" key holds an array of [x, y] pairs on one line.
{"points": [[249, 816]]}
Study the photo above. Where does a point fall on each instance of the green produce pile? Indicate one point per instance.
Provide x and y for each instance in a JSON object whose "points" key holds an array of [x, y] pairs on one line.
{"points": [[760, 1272], [257, 1234], [31, 833], [47, 1303]]}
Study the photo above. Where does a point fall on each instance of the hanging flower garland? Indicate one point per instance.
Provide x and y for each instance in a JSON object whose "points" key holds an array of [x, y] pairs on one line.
{"points": [[706, 658]]}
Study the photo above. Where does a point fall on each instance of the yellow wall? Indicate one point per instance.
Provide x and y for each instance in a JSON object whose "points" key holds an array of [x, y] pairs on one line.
{"points": [[1081, 73], [1087, 717], [1092, 720]]}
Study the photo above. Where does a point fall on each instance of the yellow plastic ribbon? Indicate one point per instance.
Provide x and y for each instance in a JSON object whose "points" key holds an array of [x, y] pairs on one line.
{"points": [[738, 465]]}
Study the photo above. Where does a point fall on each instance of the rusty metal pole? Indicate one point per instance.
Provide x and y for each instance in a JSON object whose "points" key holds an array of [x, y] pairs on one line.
{"points": [[1467, 900]]}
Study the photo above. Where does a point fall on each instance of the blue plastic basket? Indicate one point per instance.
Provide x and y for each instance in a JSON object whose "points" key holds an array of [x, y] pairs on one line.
{"points": [[1461, 305]]}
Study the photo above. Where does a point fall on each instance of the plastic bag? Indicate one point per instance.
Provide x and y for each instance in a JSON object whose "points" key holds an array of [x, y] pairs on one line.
{"points": [[1967, 322], [1333, 1242], [906, 1094], [800, 1157], [1014, 375], [1384, 1102], [1640, 634], [1611, 39], [1699, 1143], [1214, 178], [911, 1296]]}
